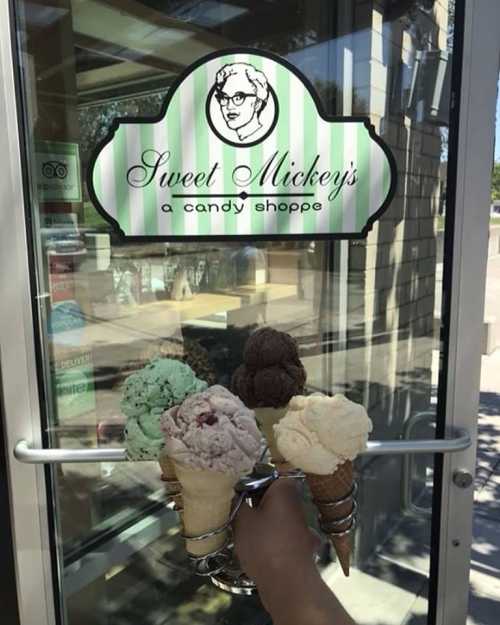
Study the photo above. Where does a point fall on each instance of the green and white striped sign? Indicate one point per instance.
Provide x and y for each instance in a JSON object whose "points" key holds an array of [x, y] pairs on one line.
{"points": [[242, 148]]}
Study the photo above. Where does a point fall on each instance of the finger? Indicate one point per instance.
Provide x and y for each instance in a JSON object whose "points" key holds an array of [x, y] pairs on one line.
{"points": [[283, 498], [244, 520], [282, 489]]}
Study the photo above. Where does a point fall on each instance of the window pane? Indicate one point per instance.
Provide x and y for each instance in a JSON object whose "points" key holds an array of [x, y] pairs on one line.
{"points": [[365, 313]]}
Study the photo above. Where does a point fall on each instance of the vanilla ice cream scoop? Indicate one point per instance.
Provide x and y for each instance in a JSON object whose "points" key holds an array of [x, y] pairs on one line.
{"points": [[319, 432], [213, 430]]}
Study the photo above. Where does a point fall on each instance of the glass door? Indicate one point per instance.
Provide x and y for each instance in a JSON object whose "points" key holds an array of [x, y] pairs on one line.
{"points": [[368, 315]]}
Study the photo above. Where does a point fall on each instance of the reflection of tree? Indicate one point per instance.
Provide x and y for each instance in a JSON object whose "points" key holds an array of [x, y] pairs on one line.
{"points": [[96, 119], [495, 182], [288, 42], [451, 23]]}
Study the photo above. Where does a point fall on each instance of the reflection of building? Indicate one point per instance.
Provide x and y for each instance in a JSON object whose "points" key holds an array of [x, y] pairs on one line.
{"points": [[392, 275]]}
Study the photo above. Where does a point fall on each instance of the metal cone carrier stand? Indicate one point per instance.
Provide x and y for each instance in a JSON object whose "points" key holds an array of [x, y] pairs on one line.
{"points": [[222, 566]]}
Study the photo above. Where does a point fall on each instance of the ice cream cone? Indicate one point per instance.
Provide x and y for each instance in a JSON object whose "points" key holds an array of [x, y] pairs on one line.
{"points": [[267, 418], [207, 497], [328, 488], [169, 476], [271, 374]]}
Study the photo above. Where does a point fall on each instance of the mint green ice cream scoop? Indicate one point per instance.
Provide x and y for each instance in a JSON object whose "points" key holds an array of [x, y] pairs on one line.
{"points": [[161, 384]]}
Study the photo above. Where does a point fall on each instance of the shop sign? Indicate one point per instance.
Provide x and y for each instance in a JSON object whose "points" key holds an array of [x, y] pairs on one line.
{"points": [[242, 148], [58, 172]]}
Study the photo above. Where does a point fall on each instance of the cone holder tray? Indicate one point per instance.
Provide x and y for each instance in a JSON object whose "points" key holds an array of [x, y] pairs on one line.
{"points": [[222, 566]]}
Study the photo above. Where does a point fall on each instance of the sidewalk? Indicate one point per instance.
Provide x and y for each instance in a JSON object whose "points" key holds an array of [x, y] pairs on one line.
{"points": [[484, 605]]}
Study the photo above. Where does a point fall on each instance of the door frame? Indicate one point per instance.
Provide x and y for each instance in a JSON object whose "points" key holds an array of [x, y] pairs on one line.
{"points": [[464, 270], [8, 590], [465, 267], [29, 514]]}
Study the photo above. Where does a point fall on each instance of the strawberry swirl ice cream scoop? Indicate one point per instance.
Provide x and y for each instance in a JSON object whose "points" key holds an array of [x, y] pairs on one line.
{"points": [[213, 440], [213, 430]]}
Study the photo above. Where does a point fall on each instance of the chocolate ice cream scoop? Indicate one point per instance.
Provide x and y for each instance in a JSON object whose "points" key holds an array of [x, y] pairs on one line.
{"points": [[267, 347], [272, 372]]}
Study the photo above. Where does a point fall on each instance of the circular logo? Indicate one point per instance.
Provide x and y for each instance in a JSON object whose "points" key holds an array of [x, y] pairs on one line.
{"points": [[54, 169], [242, 107]]}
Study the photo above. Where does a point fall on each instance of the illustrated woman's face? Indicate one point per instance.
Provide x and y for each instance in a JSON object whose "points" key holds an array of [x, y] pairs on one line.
{"points": [[238, 101]]}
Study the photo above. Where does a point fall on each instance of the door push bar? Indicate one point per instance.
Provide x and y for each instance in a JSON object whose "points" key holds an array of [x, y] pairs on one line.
{"points": [[460, 440]]}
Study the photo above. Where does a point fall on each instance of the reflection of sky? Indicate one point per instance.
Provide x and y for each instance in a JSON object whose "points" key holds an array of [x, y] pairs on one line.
{"points": [[208, 13], [317, 61], [43, 16]]}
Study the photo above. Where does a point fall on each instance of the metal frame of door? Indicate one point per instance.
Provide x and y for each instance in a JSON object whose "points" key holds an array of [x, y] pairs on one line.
{"points": [[464, 280], [20, 398], [465, 269]]}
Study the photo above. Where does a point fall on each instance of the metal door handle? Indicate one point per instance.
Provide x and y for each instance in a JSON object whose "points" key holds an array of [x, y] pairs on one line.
{"points": [[24, 452], [460, 439], [411, 423]]}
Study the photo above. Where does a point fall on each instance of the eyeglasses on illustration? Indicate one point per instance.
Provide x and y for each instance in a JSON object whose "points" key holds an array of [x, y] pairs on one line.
{"points": [[237, 99]]}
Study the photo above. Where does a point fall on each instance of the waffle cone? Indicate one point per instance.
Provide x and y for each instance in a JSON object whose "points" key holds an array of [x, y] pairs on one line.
{"points": [[328, 488], [207, 497], [267, 418], [167, 467], [169, 476]]}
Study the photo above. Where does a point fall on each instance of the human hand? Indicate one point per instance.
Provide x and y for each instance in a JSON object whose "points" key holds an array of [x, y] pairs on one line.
{"points": [[276, 549], [273, 539]]}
